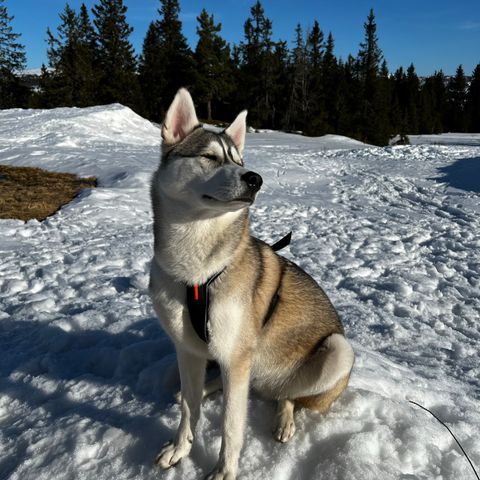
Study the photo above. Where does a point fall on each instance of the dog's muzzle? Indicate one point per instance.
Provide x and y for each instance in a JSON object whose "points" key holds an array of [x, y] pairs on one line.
{"points": [[253, 180]]}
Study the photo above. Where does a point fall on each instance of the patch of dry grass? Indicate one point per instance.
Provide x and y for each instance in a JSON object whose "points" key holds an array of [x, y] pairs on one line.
{"points": [[27, 192]]}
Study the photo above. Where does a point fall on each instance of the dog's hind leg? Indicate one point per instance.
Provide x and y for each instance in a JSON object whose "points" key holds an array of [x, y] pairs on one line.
{"points": [[212, 386], [192, 374], [208, 389], [322, 401], [285, 427], [324, 376]]}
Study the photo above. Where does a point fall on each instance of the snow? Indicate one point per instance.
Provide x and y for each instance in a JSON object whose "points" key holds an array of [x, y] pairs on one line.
{"points": [[469, 139], [298, 142], [87, 376], [36, 72]]}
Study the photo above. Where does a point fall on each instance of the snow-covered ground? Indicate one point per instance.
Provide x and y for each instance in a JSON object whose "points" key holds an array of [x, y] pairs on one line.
{"points": [[468, 139], [392, 234]]}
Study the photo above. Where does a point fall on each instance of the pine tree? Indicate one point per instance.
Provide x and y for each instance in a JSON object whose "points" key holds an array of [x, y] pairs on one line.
{"points": [[348, 100], [399, 103], [439, 98], [370, 56], [383, 103], [257, 68], [455, 102], [214, 79], [12, 60], [369, 60], [115, 61], [472, 106], [86, 31], [67, 33], [330, 91], [413, 100], [58, 85], [426, 107], [150, 74], [12, 53], [176, 59], [279, 73], [432, 104], [298, 81], [45, 97], [328, 56], [71, 80], [314, 123], [315, 46], [87, 51]]}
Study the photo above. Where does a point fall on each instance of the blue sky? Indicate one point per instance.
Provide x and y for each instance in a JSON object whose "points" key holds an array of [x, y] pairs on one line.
{"points": [[432, 34]]}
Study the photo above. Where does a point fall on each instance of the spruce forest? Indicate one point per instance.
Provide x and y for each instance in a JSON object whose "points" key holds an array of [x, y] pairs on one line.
{"points": [[298, 85]]}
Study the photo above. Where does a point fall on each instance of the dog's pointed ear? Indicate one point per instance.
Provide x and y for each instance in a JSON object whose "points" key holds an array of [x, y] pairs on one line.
{"points": [[237, 130], [180, 119]]}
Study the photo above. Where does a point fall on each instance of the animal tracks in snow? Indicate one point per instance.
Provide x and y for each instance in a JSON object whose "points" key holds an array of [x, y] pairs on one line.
{"points": [[87, 377]]}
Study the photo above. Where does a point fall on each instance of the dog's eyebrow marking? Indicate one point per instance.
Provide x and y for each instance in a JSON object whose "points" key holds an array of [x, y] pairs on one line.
{"points": [[222, 144], [231, 148], [230, 152], [228, 149]]}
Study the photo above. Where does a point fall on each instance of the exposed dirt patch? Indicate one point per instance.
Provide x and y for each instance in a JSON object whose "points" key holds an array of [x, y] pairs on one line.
{"points": [[27, 192]]}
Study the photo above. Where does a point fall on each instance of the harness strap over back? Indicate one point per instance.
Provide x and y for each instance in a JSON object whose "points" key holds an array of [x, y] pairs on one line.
{"points": [[198, 301], [282, 243]]}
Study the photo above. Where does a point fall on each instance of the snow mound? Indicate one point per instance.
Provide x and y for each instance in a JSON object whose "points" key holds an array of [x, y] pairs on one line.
{"points": [[333, 142], [292, 140], [87, 376], [467, 139], [72, 126], [98, 141]]}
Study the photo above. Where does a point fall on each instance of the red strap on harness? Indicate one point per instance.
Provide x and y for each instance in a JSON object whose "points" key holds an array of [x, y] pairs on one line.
{"points": [[198, 301]]}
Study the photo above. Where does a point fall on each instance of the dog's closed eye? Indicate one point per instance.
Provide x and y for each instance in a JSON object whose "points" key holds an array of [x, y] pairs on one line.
{"points": [[210, 156]]}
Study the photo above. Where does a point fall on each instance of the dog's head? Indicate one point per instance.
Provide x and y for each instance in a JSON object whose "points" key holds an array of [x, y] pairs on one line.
{"points": [[202, 168]]}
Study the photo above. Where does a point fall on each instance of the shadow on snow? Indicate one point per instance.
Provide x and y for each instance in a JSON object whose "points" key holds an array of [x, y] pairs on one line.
{"points": [[138, 363], [463, 174]]}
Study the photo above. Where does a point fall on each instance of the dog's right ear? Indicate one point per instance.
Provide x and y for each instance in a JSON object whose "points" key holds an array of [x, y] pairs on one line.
{"points": [[180, 119]]}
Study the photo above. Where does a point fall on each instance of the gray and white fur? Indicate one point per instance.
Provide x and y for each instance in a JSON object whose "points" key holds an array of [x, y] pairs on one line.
{"points": [[200, 195]]}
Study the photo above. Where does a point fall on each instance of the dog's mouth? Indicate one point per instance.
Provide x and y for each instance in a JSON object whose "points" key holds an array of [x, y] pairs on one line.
{"points": [[238, 199]]}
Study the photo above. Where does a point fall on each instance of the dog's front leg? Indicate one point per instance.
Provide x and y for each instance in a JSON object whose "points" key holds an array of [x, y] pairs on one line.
{"points": [[192, 375], [235, 377]]}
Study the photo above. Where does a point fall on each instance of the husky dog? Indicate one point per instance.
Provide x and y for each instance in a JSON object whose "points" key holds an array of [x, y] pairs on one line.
{"points": [[292, 349]]}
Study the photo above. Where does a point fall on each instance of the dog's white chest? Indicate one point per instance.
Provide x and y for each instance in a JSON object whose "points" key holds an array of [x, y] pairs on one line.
{"points": [[226, 323], [226, 316]]}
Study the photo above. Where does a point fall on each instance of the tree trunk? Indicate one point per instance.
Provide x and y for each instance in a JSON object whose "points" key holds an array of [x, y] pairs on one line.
{"points": [[209, 109]]}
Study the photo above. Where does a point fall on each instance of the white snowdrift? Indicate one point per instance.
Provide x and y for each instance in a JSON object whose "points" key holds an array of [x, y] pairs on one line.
{"points": [[87, 375], [468, 139], [271, 138]]}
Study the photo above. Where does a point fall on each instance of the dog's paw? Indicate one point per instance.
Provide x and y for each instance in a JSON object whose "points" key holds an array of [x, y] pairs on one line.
{"points": [[284, 430], [220, 474], [171, 454]]}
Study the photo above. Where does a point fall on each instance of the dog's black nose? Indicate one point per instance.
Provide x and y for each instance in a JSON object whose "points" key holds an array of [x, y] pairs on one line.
{"points": [[253, 180]]}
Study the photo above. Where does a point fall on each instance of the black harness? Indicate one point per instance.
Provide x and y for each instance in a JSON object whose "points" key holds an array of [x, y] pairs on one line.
{"points": [[198, 301]]}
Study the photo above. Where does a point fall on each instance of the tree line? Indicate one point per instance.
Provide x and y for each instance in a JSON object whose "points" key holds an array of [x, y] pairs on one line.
{"points": [[303, 88]]}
